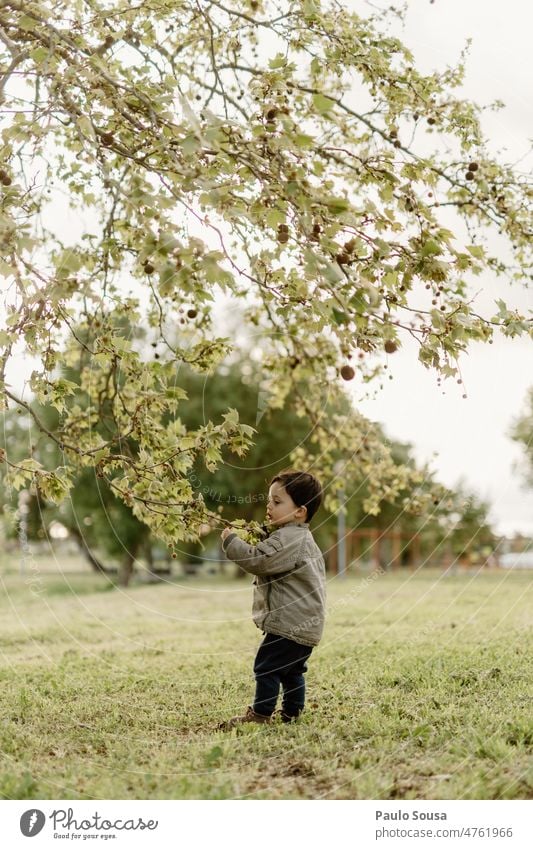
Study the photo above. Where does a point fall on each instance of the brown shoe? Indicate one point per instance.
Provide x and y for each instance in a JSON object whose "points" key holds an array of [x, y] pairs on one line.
{"points": [[285, 717], [249, 716]]}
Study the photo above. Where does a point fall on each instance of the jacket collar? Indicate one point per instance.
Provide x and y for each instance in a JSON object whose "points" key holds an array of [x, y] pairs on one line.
{"points": [[296, 524]]}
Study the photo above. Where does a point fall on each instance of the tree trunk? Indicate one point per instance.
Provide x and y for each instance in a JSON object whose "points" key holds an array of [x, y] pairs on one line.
{"points": [[148, 553], [96, 564], [125, 570]]}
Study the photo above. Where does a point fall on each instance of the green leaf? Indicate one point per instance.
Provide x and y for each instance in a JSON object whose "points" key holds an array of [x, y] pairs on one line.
{"points": [[303, 140], [383, 247], [7, 270], [390, 278], [430, 248], [274, 217], [53, 487], [232, 416], [332, 272], [340, 317], [86, 126], [190, 144], [437, 320], [502, 307], [27, 23], [68, 261], [336, 205], [323, 104], [279, 61], [176, 392], [359, 302], [40, 54]]}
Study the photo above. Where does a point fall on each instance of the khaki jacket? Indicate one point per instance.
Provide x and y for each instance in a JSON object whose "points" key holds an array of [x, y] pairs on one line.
{"points": [[290, 581]]}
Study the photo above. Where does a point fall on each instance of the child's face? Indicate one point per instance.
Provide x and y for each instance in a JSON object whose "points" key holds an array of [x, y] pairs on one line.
{"points": [[281, 508]]}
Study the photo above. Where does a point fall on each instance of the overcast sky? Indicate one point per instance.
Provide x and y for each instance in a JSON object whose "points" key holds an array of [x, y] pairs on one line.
{"points": [[470, 436]]}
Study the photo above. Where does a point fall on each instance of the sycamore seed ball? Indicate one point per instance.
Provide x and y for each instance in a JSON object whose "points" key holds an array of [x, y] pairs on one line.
{"points": [[347, 372]]}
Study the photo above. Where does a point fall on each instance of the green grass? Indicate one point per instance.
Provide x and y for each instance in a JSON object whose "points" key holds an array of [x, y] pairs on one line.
{"points": [[421, 688]]}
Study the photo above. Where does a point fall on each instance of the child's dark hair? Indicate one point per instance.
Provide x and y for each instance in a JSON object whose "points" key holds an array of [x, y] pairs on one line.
{"points": [[304, 489]]}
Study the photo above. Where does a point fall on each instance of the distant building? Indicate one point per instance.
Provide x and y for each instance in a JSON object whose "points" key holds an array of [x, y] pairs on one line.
{"points": [[516, 560]]}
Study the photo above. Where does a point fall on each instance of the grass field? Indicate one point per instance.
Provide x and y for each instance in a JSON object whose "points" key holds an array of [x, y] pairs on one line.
{"points": [[421, 688]]}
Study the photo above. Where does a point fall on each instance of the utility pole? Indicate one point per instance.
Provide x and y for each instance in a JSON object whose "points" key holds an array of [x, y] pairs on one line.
{"points": [[341, 528]]}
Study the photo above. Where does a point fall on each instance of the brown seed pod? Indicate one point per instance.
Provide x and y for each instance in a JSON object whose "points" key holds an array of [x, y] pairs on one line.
{"points": [[390, 346], [283, 228], [192, 313], [347, 372], [107, 138], [149, 268]]}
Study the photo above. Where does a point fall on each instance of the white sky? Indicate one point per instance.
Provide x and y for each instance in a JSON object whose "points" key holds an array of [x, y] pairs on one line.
{"points": [[470, 436]]}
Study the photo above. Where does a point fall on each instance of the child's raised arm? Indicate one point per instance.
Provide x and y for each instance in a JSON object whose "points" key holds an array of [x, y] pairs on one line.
{"points": [[270, 557]]}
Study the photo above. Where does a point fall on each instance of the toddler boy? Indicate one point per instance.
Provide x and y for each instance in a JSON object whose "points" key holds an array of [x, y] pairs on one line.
{"points": [[289, 595]]}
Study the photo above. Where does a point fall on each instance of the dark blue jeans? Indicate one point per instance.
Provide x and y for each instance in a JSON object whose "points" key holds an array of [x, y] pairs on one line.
{"points": [[280, 662]]}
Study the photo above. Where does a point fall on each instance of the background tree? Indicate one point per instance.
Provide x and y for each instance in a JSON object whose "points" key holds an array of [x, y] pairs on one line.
{"points": [[102, 525], [205, 165], [522, 432]]}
